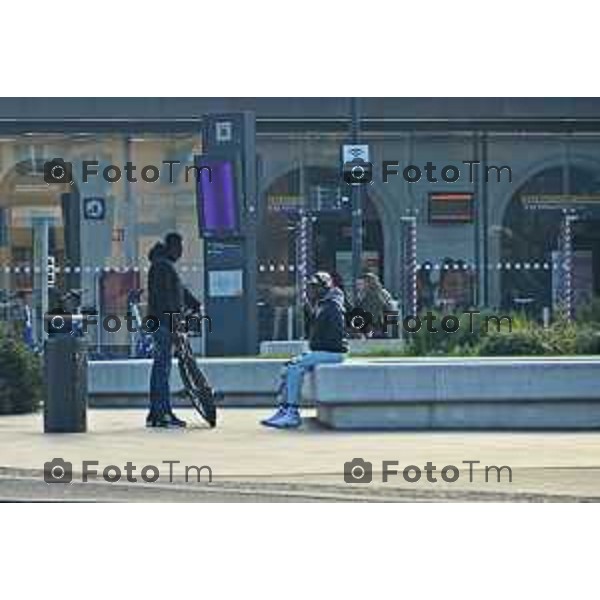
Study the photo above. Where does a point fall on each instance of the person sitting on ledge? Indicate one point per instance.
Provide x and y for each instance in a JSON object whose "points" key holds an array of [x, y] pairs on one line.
{"points": [[327, 344]]}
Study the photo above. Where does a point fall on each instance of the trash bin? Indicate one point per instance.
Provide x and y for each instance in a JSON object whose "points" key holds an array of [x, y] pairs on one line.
{"points": [[65, 376]]}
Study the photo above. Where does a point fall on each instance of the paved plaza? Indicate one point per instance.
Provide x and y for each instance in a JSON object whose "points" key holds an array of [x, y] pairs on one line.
{"points": [[251, 463]]}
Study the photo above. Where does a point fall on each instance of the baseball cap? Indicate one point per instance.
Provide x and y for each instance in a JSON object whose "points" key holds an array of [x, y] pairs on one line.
{"points": [[321, 278]]}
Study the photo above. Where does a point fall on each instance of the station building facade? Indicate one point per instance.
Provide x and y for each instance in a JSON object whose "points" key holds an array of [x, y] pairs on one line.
{"points": [[500, 239]]}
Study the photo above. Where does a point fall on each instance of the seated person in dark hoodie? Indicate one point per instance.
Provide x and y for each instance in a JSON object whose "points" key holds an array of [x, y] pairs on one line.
{"points": [[327, 343], [166, 295]]}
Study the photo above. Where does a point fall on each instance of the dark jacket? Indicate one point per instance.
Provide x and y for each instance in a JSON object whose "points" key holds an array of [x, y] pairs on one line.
{"points": [[327, 324], [166, 293]]}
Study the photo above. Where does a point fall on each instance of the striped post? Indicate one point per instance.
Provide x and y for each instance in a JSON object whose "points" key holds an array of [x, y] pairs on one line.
{"points": [[409, 265], [567, 244], [302, 255]]}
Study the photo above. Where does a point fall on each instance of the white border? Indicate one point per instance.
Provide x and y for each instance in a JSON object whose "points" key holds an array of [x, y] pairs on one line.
{"points": [[298, 551], [307, 48]]}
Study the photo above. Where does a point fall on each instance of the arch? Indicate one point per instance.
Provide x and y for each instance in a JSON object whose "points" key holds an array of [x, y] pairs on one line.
{"points": [[378, 197], [318, 171], [328, 237], [23, 188], [534, 168], [529, 237]]}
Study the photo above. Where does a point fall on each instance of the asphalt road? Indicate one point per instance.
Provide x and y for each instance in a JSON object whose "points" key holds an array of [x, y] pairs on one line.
{"points": [[29, 486]]}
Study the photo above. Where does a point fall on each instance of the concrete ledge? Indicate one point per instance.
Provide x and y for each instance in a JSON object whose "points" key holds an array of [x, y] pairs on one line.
{"points": [[474, 393], [243, 382]]}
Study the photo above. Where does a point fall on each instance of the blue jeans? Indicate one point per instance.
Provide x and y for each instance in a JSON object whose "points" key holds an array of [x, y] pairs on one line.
{"points": [[160, 394], [301, 364]]}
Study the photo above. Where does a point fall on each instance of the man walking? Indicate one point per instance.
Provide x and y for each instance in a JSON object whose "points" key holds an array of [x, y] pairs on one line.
{"points": [[327, 343], [166, 297]]}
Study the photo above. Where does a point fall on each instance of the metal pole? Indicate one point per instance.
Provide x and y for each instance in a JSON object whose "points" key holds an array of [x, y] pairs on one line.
{"points": [[40, 254], [477, 188], [251, 190], [356, 202], [130, 245], [484, 225]]}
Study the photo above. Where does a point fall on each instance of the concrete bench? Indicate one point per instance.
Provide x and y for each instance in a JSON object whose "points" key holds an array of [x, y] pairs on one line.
{"points": [[243, 382], [477, 393]]}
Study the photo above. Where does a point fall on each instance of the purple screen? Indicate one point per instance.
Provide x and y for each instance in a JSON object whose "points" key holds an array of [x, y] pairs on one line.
{"points": [[217, 194]]}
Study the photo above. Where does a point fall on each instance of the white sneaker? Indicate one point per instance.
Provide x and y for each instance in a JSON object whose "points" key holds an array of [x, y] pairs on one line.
{"points": [[286, 417]]}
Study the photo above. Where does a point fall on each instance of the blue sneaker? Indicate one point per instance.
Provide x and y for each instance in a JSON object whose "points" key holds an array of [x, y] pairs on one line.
{"points": [[286, 417], [278, 414]]}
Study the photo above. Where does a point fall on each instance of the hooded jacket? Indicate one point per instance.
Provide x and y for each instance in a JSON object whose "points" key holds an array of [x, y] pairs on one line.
{"points": [[327, 326], [166, 293]]}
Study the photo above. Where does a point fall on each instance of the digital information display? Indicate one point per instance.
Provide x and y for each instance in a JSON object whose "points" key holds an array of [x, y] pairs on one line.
{"points": [[451, 207], [218, 203], [561, 201]]}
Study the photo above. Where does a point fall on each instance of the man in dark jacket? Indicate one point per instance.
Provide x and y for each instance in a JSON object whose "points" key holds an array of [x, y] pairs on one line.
{"points": [[167, 296], [327, 344]]}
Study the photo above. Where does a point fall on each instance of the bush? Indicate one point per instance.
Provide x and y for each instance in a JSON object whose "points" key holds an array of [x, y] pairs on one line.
{"points": [[461, 342], [517, 343], [379, 352], [587, 341], [464, 351], [525, 337], [559, 339], [20, 377], [590, 313]]}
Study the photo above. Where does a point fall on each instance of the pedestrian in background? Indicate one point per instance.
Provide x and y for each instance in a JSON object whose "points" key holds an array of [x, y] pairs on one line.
{"points": [[338, 283], [375, 300], [425, 287]]}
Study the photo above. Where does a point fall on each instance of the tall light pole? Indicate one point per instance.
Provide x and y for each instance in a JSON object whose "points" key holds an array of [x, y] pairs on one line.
{"points": [[356, 202]]}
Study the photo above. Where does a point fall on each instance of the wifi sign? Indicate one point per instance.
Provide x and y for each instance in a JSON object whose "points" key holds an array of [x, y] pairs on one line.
{"points": [[352, 152], [356, 168]]}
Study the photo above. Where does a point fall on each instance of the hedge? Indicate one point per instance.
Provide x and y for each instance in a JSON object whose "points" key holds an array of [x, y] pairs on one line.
{"points": [[20, 377]]}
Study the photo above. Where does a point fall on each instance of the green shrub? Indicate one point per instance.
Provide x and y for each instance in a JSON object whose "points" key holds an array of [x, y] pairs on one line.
{"points": [[464, 351], [517, 343], [559, 339], [20, 377], [379, 352], [590, 313], [464, 340], [587, 341]]}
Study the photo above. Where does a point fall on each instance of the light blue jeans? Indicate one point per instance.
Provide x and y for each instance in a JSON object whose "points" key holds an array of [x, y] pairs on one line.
{"points": [[301, 364]]}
